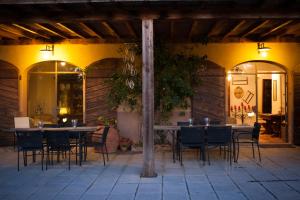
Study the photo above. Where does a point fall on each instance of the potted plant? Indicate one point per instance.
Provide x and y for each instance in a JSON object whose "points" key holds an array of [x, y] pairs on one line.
{"points": [[125, 144]]}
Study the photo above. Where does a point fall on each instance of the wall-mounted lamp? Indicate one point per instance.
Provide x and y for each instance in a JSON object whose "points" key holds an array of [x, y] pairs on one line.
{"points": [[262, 50], [48, 51]]}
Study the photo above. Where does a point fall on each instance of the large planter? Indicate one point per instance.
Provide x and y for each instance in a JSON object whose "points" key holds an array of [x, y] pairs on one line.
{"points": [[112, 141]]}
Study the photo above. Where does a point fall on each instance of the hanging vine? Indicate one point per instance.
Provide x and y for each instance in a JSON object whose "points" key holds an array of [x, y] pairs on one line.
{"points": [[175, 75]]}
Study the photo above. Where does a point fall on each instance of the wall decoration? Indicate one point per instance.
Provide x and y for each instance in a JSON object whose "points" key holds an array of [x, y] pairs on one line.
{"points": [[274, 90], [248, 97], [239, 80], [238, 92]]}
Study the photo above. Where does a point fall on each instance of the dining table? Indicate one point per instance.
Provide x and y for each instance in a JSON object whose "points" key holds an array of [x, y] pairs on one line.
{"points": [[80, 130], [173, 129]]}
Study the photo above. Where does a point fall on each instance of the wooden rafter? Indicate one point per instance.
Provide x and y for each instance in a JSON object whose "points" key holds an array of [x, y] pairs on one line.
{"points": [[277, 28], [236, 27], [14, 31], [130, 29], [30, 31], [8, 35], [193, 29], [111, 30], [172, 29], [256, 28], [69, 30], [49, 30], [211, 31], [90, 31]]}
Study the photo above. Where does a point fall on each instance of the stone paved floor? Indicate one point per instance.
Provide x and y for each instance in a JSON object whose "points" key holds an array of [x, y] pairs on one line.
{"points": [[276, 177]]}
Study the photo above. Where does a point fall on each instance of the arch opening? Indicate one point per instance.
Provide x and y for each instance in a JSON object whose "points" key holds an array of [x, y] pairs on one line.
{"points": [[55, 92], [258, 93]]}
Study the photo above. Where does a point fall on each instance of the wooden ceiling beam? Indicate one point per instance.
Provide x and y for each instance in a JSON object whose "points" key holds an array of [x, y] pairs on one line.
{"points": [[49, 30], [14, 31], [212, 29], [90, 31], [256, 28], [111, 30], [193, 29], [172, 29], [130, 29], [64, 27], [277, 28], [235, 28], [31, 31], [8, 35]]}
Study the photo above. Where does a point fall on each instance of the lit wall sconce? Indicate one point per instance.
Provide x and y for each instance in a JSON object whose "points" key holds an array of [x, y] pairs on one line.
{"points": [[262, 50], [48, 51]]}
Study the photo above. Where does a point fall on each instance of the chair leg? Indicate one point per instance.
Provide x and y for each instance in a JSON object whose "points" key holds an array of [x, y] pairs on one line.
{"points": [[33, 156], [237, 150], [258, 152], [25, 158], [106, 152], [18, 159], [229, 151], [102, 151], [208, 159], [253, 154], [42, 159], [69, 158], [76, 153], [180, 155]]}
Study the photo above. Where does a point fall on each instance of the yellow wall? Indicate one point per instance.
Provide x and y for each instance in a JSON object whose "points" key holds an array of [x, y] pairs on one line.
{"points": [[226, 55], [231, 54]]}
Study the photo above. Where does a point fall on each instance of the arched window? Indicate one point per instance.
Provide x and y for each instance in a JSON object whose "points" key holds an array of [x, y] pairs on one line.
{"points": [[55, 92]]}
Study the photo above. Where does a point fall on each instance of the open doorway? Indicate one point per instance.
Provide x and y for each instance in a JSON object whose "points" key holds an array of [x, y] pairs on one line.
{"points": [[257, 93]]}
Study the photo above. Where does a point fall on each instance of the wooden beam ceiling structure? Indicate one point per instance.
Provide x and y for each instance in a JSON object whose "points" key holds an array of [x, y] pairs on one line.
{"points": [[103, 21]]}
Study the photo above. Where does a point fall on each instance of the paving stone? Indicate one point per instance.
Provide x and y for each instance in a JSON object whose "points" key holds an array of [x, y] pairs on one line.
{"points": [[148, 196], [276, 177]]}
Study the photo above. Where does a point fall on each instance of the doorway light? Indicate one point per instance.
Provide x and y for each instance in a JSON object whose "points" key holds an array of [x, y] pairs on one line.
{"points": [[48, 51], [262, 50]]}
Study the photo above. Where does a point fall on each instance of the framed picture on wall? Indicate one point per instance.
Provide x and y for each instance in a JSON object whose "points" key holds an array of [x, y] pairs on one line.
{"points": [[274, 90], [240, 80], [248, 97]]}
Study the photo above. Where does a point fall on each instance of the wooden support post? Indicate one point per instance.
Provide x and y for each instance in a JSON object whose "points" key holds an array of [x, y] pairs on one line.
{"points": [[148, 99]]}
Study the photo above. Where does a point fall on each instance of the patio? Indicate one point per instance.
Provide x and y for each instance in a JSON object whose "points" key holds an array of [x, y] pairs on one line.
{"points": [[276, 177]]}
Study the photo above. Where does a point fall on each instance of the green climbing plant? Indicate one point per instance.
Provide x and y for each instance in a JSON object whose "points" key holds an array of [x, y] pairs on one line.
{"points": [[175, 74]]}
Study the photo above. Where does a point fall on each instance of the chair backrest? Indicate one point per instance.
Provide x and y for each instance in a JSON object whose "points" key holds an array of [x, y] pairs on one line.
{"points": [[104, 134], [57, 139], [256, 130], [219, 134], [183, 123], [29, 139], [192, 135]]}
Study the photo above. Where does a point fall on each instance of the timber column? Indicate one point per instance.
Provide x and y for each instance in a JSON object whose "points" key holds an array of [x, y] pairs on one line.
{"points": [[148, 99]]}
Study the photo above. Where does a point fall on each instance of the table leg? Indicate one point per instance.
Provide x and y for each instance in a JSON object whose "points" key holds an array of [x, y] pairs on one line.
{"points": [[173, 145]]}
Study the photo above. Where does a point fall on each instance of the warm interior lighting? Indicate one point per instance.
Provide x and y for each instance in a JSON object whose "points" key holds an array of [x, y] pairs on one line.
{"points": [[63, 111], [229, 77], [251, 114], [262, 50], [63, 63], [47, 52]]}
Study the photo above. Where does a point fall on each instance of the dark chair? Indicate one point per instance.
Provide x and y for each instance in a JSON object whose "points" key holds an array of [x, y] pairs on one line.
{"points": [[181, 123], [30, 141], [250, 138], [100, 141], [220, 136], [57, 142], [192, 137]]}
